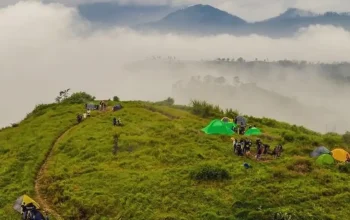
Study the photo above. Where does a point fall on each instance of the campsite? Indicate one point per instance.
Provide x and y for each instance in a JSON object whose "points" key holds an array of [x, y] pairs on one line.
{"points": [[167, 165]]}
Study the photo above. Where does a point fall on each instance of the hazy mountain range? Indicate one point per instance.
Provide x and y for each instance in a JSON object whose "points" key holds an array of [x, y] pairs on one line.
{"points": [[205, 19]]}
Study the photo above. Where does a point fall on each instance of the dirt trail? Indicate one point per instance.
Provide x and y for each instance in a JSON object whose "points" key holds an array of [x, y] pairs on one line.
{"points": [[40, 198]]}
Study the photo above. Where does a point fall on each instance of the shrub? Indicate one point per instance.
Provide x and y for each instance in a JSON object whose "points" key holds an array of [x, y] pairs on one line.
{"points": [[300, 165], [116, 99], [344, 168], [332, 139], [205, 110], [79, 98], [209, 172], [346, 137], [288, 136], [14, 125], [169, 101], [282, 216]]}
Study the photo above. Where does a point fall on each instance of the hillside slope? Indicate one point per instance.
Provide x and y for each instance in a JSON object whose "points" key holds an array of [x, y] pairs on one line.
{"points": [[150, 175]]}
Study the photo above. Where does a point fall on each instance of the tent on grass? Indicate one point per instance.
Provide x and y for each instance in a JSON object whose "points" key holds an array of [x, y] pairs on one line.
{"points": [[32, 208], [325, 159], [339, 154], [226, 119], [90, 106], [240, 120], [253, 131], [319, 151], [117, 107], [218, 127]]}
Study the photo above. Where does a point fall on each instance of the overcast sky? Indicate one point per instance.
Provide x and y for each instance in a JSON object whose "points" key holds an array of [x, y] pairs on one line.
{"points": [[250, 10]]}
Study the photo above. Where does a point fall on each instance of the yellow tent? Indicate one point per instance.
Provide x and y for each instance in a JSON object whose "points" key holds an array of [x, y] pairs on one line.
{"points": [[24, 200], [339, 154]]}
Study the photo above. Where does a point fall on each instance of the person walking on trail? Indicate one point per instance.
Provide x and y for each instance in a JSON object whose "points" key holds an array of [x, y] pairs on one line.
{"points": [[79, 118], [84, 115], [88, 113]]}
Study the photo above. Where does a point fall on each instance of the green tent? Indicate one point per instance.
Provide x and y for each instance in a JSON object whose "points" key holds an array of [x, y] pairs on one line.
{"points": [[218, 127], [252, 131], [325, 159], [230, 125]]}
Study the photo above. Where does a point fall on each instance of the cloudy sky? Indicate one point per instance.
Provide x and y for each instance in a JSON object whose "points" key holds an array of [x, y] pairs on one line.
{"points": [[250, 10], [47, 47]]}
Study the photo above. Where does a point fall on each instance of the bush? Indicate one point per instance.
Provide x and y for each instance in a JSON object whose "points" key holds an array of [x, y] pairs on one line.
{"points": [[169, 101], [288, 136], [79, 98], [209, 172], [344, 168], [346, 137], [300, 165], [116, 99], [206, 110]]}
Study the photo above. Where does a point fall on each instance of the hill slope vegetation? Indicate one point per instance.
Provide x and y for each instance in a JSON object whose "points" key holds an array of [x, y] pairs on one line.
{"points": [[165, 167]]}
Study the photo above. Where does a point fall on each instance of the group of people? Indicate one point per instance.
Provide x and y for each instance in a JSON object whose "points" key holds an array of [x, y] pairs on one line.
{"points": [[81, 117], [243, 147], [117, 122]]}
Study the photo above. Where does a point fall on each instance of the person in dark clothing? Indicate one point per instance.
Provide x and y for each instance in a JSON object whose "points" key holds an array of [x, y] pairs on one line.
{"points": [[79, 118], [239, 149], [242, 129], [266, 148], [114, 121], [30, 212], [247, 146]]}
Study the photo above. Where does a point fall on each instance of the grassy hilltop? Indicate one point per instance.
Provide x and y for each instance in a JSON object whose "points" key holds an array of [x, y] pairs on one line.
{"points": [[162, 166]]}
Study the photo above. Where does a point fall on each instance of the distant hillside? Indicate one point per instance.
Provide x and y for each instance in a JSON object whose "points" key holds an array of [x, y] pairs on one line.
{"points": [[205, 19], [198, 18], [164, 167], [113, 13]]}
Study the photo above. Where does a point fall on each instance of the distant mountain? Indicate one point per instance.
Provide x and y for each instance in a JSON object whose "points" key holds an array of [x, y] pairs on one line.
{"points": [[197, 19], [293, 19], [205, 19], [112, 13], [296, 13]]}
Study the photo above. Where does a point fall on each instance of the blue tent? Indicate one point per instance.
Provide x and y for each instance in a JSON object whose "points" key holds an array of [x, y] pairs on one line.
{"points": [[117, 107]]}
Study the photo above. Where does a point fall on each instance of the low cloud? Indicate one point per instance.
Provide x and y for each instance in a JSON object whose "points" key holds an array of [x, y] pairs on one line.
{"points": [[48, 47]]}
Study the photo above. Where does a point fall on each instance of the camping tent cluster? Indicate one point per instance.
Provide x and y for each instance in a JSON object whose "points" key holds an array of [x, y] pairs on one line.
{"points": [[227, 126], [327, 157]]}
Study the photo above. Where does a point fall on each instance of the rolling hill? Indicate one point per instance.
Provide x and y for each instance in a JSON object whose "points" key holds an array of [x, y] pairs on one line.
{"points": [[164, 166]]}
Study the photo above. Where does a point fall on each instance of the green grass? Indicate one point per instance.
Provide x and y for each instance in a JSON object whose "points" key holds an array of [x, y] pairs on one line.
{"points": [[161, 167]]}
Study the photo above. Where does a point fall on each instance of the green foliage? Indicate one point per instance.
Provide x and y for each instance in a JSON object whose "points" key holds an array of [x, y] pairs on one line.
{"points": [[116, 99], [300, 165], [346, 137], [344, 168], [168, 102], [210, 172], [23, 149], [165, 167], [62, 95], [206, 110], [79, 98]]}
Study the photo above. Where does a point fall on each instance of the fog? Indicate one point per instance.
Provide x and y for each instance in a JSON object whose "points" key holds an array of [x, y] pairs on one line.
{"points": [[48, 48]]}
